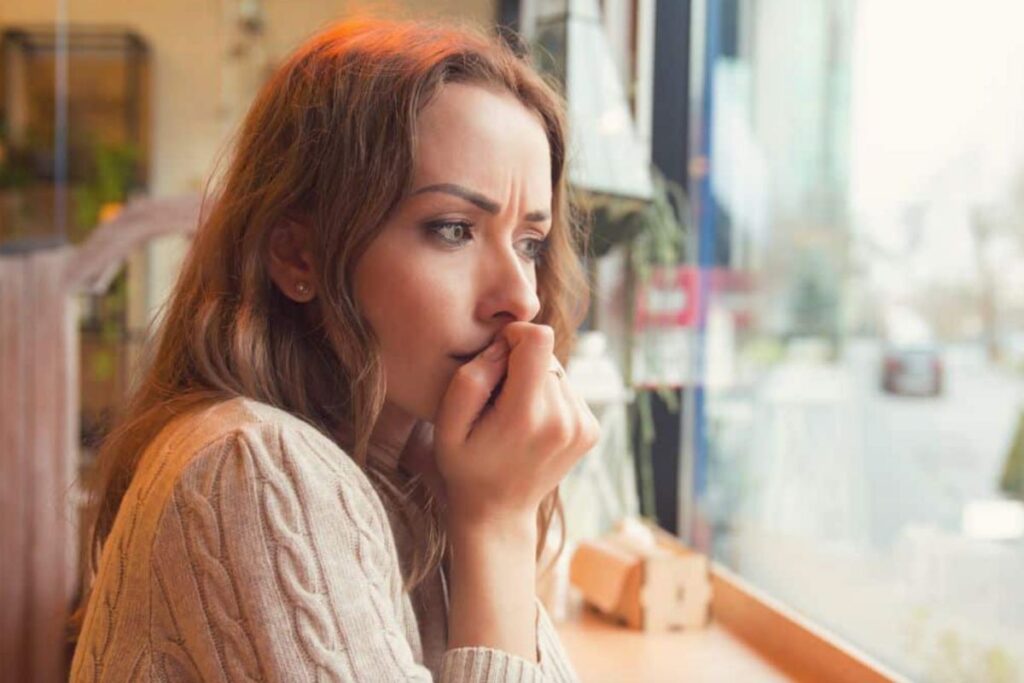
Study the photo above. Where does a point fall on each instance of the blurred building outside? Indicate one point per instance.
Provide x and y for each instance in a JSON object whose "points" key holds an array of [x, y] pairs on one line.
{"points": [[873, 195]]}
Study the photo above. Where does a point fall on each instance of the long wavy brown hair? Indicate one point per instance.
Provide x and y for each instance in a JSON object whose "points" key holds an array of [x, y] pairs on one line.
{"points": [[329, 140]]}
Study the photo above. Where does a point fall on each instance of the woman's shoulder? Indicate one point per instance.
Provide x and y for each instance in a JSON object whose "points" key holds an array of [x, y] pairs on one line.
{"points": [[240, 461], [200, 428], [242, 509], [214, 421], [263, 444], [266, 442]]}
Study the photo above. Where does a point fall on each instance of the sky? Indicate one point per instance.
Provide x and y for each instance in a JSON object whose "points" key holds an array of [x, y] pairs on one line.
{"points": [[938, 88], [937, 119]]}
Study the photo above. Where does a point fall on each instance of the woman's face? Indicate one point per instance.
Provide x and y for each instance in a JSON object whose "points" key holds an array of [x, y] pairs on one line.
{"points": [[457, 260]]}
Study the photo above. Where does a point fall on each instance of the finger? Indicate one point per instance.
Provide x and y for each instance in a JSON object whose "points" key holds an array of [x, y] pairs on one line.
{"points": [[572, 396], [588, 428], [573, 407], [468, 392], [531, 349], [557, 375]]}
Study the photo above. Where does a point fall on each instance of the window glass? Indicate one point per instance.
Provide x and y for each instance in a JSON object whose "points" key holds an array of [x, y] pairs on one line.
{"points": [[859, 442]]}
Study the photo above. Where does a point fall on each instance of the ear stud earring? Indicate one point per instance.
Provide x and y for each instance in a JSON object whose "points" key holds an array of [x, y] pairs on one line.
{"points": [[302, 288]]}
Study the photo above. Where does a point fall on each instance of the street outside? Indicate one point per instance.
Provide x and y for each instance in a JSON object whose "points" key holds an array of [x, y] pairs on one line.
{"points": [[846, 503]]}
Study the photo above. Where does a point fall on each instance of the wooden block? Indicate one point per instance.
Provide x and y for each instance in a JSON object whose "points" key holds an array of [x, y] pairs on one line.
{"points": [[651, 586]]}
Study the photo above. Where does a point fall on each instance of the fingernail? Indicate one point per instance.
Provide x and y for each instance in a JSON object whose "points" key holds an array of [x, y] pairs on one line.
{"points": [[496, 351]]}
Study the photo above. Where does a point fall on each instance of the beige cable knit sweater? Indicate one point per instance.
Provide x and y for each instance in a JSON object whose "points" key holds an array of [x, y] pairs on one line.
{"points": [[251, 547]]}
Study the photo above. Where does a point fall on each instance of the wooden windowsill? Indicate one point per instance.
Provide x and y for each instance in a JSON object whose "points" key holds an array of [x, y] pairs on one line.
{"points": [[604, 652], [750, 638], [792, 643]]}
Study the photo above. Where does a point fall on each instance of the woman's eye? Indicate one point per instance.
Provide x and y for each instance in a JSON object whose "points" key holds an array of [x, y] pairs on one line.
{"points": [[451, 231], [535, 249], [457, 232]]}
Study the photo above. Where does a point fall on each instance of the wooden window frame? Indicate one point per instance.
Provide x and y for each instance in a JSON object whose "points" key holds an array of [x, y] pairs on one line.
{"points": [[792, 643]]}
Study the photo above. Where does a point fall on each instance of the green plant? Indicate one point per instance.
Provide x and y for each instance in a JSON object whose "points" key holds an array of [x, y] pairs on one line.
{"points": [[13, 162], [111, 174], [654, 234], [1011, 481]]}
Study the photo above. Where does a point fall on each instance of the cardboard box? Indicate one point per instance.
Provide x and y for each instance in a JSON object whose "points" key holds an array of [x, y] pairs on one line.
{"points": [[644, 577]]}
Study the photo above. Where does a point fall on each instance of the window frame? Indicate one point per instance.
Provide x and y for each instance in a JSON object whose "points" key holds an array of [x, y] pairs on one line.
{"points": [[794, 644]]}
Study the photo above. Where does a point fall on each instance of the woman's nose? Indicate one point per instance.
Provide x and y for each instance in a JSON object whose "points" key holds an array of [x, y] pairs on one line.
{"points": [[510, 287]]}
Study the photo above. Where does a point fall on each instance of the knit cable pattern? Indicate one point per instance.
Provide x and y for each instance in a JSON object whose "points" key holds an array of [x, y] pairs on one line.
{"points": [[219, 600], [110, 596], [296, 563]]}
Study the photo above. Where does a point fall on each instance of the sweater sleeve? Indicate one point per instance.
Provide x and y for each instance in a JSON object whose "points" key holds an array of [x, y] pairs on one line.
{"points": [[273, 561], [470, 663], [553, 658]]}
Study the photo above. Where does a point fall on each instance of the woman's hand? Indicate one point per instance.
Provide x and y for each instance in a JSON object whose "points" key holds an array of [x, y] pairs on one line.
{"points": [[502, 461]]}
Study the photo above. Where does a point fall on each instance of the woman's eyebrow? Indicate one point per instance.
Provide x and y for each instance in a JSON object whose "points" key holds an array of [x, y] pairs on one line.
{"points": [[485, 203]]}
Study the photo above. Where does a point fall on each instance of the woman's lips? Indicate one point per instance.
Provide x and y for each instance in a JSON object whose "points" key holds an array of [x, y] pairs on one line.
{"points": [[466, 357]]}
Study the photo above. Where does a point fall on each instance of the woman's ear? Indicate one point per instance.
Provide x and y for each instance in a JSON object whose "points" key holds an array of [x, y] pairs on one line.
{"points": [[290, 261]]}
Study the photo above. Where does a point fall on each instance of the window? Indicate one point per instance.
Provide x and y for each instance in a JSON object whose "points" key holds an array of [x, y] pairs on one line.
{"points": [[858, 445]]}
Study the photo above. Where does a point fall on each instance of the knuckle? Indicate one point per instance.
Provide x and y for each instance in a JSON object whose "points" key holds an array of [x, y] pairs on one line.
{"points": [[537, 335], [528, 423], [545, 335], [589, 430], [472, 378], [561, 431], [569, 430]]}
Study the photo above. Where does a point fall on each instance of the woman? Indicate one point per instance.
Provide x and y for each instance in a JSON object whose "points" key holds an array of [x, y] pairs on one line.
{"points": [[342, 461]]}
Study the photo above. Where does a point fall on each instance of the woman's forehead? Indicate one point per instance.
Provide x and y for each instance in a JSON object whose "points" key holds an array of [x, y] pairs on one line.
{"points": [[484, 139]]}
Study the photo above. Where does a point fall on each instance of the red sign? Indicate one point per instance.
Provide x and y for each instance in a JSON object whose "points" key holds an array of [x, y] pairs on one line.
{"points": [[671, 297]]}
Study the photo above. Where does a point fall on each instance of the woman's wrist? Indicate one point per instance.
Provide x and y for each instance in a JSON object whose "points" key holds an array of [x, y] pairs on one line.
{"points": [[493, 573], [493, 527]]}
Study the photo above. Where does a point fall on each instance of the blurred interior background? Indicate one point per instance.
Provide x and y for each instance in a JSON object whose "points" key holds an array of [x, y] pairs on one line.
{"points": [[807, 338]]}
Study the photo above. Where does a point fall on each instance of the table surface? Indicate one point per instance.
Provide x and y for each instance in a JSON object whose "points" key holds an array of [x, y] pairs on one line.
{"points": [[604, 652]]}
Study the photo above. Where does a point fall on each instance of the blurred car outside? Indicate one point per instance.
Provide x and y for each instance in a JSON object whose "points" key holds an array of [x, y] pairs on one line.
{"points": [[913, 369]]}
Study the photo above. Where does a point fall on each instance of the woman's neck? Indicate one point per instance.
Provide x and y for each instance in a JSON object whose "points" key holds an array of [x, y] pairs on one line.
{"points": [[389, 437], [401, 439]]}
